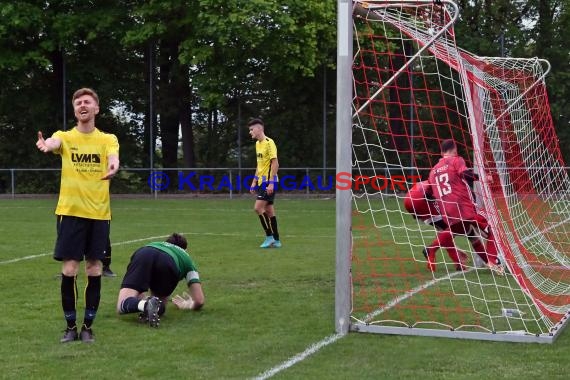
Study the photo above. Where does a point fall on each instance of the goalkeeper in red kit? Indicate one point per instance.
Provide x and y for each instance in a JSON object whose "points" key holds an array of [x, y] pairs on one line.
{"points": [[450, 181], [421, 204]]}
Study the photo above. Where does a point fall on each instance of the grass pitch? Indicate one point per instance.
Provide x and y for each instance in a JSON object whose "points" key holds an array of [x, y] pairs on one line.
{"points": [[263, 307]]}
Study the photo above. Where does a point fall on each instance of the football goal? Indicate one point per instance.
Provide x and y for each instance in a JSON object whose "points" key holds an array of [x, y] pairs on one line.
{"points": [[404, 86]]}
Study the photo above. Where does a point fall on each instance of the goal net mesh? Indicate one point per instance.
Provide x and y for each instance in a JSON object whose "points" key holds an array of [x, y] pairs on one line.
{"points": [[413, 88]]}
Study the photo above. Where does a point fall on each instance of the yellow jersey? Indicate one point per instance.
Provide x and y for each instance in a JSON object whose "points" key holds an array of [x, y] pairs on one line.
{"points": [[84, 161], [265, 150]]}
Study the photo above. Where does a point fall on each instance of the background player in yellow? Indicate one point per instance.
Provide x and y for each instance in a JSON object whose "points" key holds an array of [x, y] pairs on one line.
{"points": [[265, 182], [89, 158]]}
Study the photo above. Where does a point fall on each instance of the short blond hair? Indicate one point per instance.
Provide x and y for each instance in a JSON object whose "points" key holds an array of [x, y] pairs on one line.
{"points": [[85, 91]]}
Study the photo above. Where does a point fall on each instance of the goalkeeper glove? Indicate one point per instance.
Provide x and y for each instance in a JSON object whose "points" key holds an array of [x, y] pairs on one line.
{"points": [[183, 302]]}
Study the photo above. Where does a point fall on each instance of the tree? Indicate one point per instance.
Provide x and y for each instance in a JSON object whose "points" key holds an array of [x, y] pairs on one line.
{"points": [[272, 56], [220, 57], [40, 42]]}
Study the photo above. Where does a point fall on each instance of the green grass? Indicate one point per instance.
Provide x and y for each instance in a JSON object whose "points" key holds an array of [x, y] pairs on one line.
{"points": [[262, 306]]}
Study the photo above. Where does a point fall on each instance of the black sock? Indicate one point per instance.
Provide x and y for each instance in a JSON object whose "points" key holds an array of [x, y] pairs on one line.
{"points": [[265, 224], [130, 305], [92, 298], [69, 299], [274, 228]]}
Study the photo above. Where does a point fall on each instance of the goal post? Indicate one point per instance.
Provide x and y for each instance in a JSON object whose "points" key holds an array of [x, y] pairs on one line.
{"points": [[343, 164], [403, 86]]}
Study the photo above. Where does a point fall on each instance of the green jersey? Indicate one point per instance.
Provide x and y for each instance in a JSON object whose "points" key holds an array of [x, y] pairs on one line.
{"points": [[186, 267]]}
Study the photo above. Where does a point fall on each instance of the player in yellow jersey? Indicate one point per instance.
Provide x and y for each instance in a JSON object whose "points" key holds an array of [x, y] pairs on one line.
{"points": [[265, 182], [89, 158]]}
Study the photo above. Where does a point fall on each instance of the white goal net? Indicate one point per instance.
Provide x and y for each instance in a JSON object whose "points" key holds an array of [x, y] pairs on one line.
{"points": [[413, 87]]}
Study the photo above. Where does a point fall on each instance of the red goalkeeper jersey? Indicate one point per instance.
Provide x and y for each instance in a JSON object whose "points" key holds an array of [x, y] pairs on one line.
{"points": [[419, 201], [452, 191]]}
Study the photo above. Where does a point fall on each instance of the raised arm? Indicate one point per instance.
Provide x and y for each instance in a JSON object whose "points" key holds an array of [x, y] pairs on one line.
{"points": [[47, 145], [470, 176]]}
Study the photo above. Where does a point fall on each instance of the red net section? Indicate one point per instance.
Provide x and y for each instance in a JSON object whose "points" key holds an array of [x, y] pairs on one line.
{"points": [[530, 187]]}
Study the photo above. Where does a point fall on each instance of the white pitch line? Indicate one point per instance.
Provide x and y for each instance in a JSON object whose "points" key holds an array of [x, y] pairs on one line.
{"points": [[24, 258], [18, 259], [299, 357], [49, 253], [113, 244]]}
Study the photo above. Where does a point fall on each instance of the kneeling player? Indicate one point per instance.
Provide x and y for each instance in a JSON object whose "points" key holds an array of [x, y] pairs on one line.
{"points": [[158, 267]]}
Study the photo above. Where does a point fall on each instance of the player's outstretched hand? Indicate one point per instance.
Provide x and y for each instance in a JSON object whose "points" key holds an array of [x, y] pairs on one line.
{"points": [[183, 302], [112, 167], [49, 144], [111, 172], [41, 143]]}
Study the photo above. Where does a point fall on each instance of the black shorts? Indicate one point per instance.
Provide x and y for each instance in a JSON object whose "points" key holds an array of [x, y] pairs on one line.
{"points": [[81, 238], [263, 196], [150, 268]]}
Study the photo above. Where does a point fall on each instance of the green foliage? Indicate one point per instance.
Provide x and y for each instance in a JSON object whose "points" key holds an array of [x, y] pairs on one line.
{"points": [[234, 59]]}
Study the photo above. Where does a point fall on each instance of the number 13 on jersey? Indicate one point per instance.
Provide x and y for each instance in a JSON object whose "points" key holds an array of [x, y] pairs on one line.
{"points": [[442, 182]]}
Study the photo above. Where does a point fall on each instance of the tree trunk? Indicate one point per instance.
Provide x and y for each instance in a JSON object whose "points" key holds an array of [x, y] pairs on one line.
{"points": [[188, 151], [169, 100], [149, 133], [57, 60]]}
